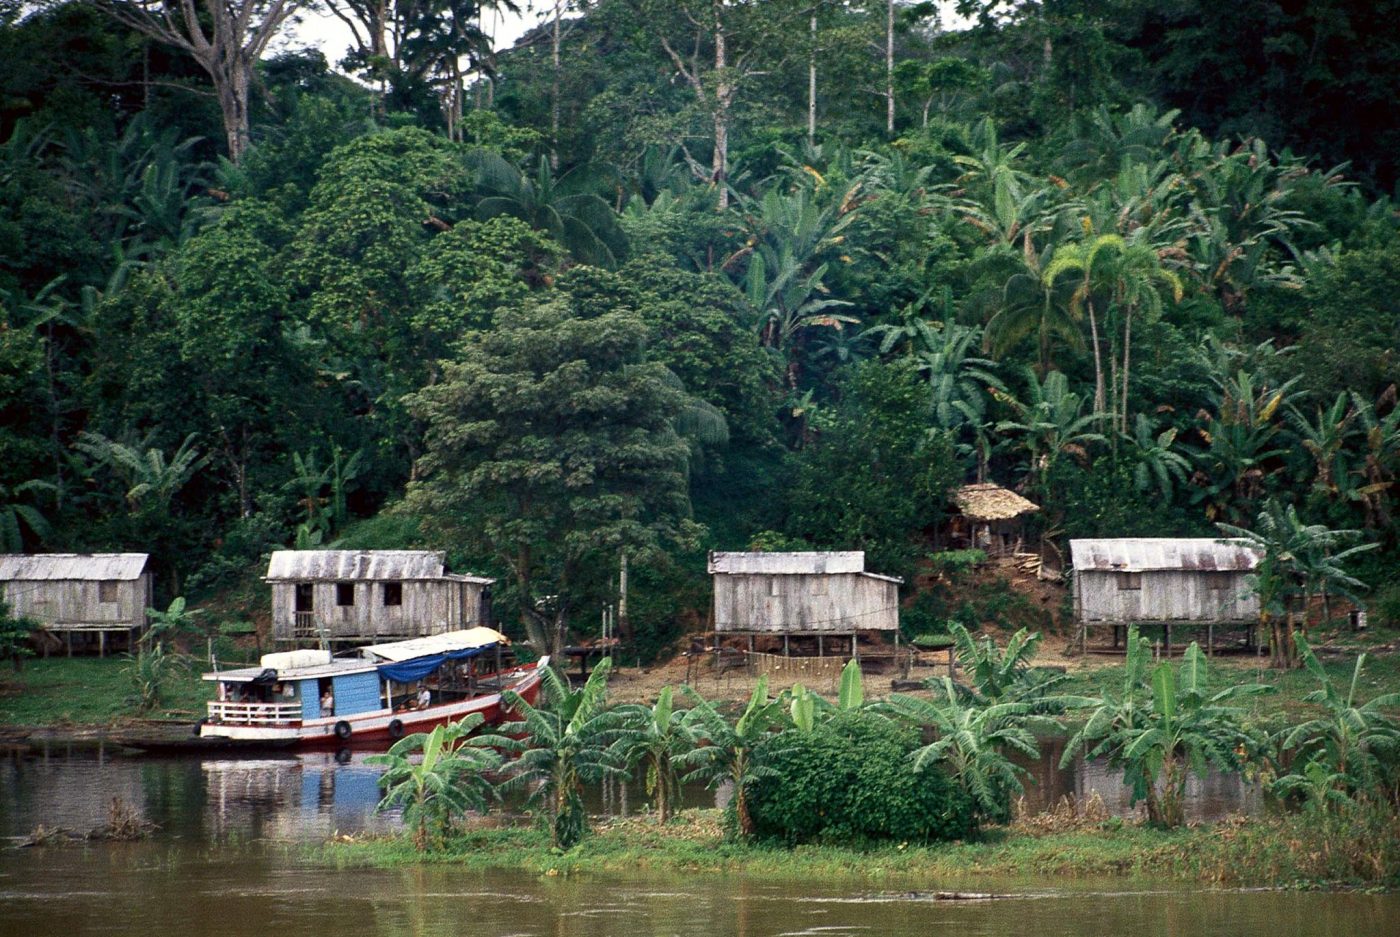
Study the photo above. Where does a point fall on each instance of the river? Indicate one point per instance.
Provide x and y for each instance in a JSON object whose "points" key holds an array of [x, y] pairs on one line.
{"points": [[230, 859]]}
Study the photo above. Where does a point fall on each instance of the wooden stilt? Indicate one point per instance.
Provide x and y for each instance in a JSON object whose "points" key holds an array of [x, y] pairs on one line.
{"points": [[101, 644], [1210, 639]]}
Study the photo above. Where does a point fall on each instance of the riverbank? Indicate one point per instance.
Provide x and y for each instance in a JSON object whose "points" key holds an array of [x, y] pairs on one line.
{"points": [[1360, 850], [84, 695]]}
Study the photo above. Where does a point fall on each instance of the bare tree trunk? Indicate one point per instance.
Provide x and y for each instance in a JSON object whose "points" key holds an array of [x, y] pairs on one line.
{"points": [[724, 95], [812, 79], [1127, 351], [558, 81], [1099, 401], [889, 68]]}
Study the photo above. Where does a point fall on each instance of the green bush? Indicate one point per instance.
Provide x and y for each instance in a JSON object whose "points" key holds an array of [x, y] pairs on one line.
{"points": [[851, 779]]}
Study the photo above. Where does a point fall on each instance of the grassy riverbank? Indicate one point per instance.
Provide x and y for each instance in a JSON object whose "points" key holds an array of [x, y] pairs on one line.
{"points": [[1361, 850], [62, 692], [70, 692]]}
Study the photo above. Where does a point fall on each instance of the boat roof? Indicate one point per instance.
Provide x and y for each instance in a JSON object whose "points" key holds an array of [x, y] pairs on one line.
{"points": [[369, 658], [436, 644]]}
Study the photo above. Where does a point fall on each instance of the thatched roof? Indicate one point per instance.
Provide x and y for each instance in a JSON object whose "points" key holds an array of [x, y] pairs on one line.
{"points": [[988, 502]]}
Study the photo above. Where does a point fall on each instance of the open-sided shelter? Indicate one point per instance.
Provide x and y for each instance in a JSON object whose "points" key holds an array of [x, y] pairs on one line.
{"points": [[988, 517], [80, 598], [354, 596]]}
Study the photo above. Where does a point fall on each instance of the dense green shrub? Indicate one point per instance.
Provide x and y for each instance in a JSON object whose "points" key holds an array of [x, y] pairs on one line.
{"points": [[851, 779]]}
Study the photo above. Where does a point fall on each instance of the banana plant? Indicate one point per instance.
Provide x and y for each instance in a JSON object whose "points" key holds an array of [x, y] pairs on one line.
{"points": [[656, 737], [725, 750], [1358, 744], [570, 741], [439, 775], [1164, 726]]}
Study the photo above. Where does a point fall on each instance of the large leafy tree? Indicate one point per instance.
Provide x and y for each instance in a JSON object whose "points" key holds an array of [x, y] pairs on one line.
{"points": [[550, 444]]}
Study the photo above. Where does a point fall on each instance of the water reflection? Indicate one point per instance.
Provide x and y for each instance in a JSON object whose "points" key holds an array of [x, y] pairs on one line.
{"points": [[254, 882]]}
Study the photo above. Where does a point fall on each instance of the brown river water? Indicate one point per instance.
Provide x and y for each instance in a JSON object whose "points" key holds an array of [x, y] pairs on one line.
{"points": [[230, 859]]}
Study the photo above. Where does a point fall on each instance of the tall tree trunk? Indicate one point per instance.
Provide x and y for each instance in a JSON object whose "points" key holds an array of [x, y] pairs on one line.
{"points": [[1099, 401], [889, 68], [558, 82], [1127, 353], [812, 78], [724, 95]]}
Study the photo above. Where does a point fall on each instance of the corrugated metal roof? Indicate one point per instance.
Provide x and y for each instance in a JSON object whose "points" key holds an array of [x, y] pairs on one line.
{"points": [[788, 564], [1141, 554], [86, 566], [342, 565]]}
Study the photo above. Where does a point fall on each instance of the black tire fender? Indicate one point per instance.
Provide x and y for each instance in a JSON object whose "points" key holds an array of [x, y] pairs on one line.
{"points": [[342, 756], [342, 729], [395, 728]]}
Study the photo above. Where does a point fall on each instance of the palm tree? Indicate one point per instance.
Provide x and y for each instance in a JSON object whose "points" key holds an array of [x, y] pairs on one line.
{"points": [[1297, 561], [151, 478], [725, 751], [1157, 462], [1325, 438], [973, 740], [1082, 258], [449, 777], [1027, 306], [568, 208], [569, 742], [1050, 423], [657, 737], [13, 512]]}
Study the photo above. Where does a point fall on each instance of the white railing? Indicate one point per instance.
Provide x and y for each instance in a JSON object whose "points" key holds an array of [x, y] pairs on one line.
{"points": [[254, 713]]}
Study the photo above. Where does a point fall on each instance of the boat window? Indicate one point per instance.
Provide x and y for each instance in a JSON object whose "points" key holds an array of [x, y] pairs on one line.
{"points": [[344, 593], [393, 593]]}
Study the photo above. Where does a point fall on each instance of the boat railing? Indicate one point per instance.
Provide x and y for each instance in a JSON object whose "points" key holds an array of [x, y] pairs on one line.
{"points": [[254, 713]]}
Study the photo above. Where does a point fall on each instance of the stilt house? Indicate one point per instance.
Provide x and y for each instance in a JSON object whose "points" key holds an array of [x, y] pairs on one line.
{"points": [[356, 596], [821, 594], [82, 599], [1185, 582]]}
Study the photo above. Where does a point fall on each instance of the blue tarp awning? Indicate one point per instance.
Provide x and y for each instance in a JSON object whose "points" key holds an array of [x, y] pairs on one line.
{"points": [[408, 671]]}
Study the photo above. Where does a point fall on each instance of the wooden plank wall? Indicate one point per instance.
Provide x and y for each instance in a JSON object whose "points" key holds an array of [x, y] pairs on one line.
{"points": [[429, 607], [74, 604], [1168, 595], [831, 603]]}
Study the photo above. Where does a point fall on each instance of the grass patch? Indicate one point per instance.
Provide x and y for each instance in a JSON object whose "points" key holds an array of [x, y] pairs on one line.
{"points": [[66, 691], [1359, 849]]}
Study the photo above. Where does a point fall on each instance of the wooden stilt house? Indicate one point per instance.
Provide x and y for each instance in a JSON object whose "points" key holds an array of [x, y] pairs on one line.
{"points": [[359, 596], [84, 600]]}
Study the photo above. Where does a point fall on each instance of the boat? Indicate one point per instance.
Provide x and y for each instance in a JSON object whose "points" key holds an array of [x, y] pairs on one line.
{"points": [[372, 697]]}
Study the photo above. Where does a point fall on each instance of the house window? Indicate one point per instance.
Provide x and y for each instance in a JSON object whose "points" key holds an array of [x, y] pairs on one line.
{"points": [[393, 593], [1129, 582], [819, 585], [344, 594], [107, 592], [1219, 582]]}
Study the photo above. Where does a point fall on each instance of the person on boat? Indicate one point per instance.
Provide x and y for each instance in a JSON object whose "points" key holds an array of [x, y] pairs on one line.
{"points": [[327, 703], [424, 697]]}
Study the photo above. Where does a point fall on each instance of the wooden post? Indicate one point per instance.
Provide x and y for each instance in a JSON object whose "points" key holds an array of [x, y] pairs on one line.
{"points": [[1210, 639], [785, 645], [101, 644]]}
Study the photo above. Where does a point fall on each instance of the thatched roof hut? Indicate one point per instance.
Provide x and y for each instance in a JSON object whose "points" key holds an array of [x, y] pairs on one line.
{"points": [[989, 502], [988, 518]]}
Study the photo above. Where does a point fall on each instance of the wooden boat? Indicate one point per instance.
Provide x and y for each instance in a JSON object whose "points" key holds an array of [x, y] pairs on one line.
{"points": [[310, 699]]}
